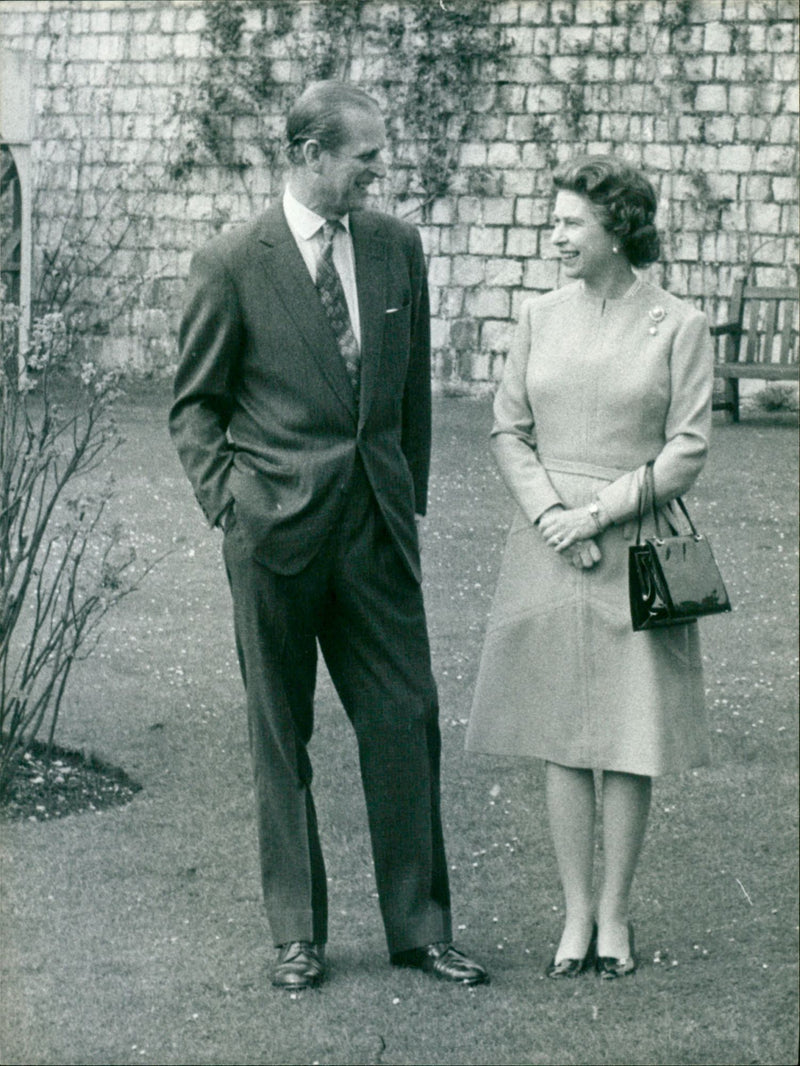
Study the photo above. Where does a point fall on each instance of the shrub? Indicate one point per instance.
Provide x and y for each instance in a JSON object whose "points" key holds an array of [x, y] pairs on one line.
{"points": [[777, 398], [61, 570]]}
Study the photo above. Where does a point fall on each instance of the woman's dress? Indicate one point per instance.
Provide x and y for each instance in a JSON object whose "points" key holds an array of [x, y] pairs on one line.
{"points": [[591, 391]]}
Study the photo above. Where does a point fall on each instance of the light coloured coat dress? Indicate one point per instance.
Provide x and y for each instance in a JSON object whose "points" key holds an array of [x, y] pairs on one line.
{"points": [[592, 390]]}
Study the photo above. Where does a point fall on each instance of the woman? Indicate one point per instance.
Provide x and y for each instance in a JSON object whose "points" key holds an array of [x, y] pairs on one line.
{"points": [[604, 374]]}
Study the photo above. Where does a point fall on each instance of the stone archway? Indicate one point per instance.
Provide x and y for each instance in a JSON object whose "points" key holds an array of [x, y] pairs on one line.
{"points": [[16, 134]]}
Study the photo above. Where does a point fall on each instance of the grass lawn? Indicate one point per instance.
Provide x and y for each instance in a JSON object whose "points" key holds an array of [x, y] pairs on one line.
{"points": [[137, 935]]}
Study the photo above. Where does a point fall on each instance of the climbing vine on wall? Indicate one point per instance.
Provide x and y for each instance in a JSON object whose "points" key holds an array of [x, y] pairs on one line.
{"points": [[432, 59], [237, 84], [449, 53]]}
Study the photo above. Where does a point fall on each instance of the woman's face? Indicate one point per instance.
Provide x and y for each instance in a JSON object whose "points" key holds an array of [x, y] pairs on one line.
{"points": [[584, 246]]}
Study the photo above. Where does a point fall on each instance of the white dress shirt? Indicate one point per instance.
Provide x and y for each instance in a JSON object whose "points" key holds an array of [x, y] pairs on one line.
{"points": [[306, 228]]}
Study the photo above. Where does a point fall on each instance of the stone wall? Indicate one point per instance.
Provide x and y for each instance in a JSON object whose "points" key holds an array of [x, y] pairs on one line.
{"points": [[701, 93]]}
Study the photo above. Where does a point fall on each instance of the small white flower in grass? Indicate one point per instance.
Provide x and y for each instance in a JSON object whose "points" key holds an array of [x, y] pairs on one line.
{"points": [[396, 1000]]}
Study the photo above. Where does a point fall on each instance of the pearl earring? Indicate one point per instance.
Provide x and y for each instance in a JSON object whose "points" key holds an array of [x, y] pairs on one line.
{"points": [[614, 249]]}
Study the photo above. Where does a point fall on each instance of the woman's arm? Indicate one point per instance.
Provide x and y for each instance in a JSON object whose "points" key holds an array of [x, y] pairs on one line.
{"points": [[513, 439], [677, 465], [687, 426]]}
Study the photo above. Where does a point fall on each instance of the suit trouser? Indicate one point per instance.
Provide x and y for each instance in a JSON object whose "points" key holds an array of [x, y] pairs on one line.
{"points": [[357, 600]]}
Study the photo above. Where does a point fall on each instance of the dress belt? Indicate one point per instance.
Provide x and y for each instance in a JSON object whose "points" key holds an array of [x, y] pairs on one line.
{"points": [[570, 466]]}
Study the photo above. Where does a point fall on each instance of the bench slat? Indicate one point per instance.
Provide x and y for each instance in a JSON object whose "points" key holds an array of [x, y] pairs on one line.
{"points": [[787, 333]]}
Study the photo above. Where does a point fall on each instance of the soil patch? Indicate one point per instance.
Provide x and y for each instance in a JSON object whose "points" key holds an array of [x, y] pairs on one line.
{"points": [[53, 782]]}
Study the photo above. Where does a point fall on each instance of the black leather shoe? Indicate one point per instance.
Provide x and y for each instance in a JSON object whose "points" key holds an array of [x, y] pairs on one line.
{"points": [[443, 961], [300, 965], [574, 967], [608, 967]]}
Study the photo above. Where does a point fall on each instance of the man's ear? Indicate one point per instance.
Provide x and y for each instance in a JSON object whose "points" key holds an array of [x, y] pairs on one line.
{"points": [[311, 154]]}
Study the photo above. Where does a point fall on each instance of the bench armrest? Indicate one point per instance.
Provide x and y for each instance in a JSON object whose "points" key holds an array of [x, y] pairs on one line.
{"points": [[728, 328]]}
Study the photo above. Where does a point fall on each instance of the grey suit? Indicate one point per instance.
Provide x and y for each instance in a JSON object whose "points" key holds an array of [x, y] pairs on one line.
{"points": [[320, 493]]}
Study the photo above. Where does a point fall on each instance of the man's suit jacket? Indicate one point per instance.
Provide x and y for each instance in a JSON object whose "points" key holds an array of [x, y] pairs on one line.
{"points": [[264, 411]]}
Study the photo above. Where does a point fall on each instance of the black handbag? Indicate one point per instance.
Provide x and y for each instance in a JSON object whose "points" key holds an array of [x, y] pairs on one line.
{"points": [[673, 579]]}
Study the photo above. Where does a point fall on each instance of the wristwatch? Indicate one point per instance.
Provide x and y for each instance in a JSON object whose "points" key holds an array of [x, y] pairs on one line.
{"points": [[594, 511]]}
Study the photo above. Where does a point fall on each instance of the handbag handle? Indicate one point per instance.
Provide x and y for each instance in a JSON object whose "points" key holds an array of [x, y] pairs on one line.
{"points": [[647, 490]]}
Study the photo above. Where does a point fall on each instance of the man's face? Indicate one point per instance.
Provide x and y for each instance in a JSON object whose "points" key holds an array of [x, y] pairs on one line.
{"points": [[344, 174]]}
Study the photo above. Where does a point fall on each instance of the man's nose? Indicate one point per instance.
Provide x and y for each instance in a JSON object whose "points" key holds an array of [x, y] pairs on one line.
{"points": [[378, 167]]}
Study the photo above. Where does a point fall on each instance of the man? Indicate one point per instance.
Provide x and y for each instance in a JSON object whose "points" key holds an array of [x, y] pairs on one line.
{"points": [[302, 416]]}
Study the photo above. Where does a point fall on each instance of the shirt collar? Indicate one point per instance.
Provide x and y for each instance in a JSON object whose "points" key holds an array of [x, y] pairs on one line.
{"points": [[302, 220]]}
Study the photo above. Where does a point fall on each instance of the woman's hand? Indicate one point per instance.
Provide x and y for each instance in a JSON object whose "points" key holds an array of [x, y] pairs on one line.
{"points": [[571, 530]]}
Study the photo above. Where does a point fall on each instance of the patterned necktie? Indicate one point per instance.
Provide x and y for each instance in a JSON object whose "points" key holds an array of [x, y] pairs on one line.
{"points": [[331, 293]]}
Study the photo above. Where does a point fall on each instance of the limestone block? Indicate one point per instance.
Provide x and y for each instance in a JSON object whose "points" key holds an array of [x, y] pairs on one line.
{"points": [[496, 335], [533, 12], [774, 159], [784, 190], [522, 241], [498, 211], [781, 37], [468, 270], [545, 99], [520, 39], [440, 333], [464, 334], [712, 98], [485, 240], [730, 68], [503, 155], [540, 274], [505, 13], [593, 11], [472, 154], [738, 157], [186, 46], [511, 98], [765, 218], [469, 209], [503, 272], [479, 367], [520, 127], [439, 270], [452, 302], [545, 41]]}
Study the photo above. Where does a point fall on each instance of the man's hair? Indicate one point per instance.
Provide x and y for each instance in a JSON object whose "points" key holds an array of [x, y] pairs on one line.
{"points": [[624, 199], [321, 113]]}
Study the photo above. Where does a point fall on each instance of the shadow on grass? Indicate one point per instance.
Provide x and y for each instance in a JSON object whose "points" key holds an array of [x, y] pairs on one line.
{"points": [[136, 934]]}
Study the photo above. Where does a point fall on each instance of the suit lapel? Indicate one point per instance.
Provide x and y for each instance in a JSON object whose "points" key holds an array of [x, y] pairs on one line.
{"points": [[289, 275], [370, 257]]}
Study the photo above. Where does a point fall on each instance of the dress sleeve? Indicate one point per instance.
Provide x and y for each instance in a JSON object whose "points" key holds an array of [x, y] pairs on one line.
{"points": [[513, 439], [687, 427]]}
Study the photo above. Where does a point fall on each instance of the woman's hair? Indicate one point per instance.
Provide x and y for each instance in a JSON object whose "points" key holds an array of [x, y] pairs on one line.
{"points": [[321, 114], [624, 199]]}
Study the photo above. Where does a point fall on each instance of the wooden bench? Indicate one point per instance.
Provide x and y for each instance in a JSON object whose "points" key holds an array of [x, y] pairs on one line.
{"points": [[760, 339]]}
